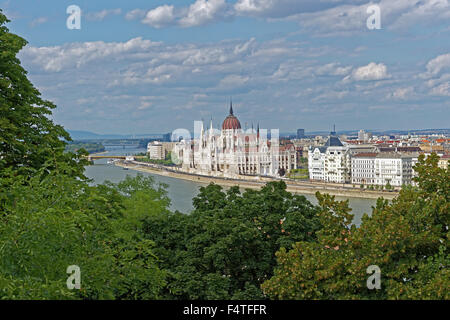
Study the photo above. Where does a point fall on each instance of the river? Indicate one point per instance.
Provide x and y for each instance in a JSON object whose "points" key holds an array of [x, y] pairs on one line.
{"points": [[181, 192]]}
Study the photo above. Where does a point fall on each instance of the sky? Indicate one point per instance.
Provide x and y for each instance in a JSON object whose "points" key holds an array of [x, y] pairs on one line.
{"points": [[138, 66]]}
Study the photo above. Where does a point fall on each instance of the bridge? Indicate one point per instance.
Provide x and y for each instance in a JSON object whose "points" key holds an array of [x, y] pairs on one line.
{"points": [[125, 142], [91, 158]]}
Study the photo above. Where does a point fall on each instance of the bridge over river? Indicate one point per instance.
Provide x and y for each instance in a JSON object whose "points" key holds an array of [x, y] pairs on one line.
{"points": [[121, 157]]}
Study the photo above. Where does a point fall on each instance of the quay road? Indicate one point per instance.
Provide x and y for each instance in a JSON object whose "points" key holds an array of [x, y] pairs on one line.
{"points": [[254, 182]]}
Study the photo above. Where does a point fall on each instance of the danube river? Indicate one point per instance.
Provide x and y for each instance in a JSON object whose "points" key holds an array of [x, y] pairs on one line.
{"points": [[181, 192]]}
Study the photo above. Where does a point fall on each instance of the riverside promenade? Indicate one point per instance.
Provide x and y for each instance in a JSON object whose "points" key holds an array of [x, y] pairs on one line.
{"points": [[296, 187]]}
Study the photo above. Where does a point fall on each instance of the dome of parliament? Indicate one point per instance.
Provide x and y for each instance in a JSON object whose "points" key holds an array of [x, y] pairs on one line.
{"points": [[231, 122]]}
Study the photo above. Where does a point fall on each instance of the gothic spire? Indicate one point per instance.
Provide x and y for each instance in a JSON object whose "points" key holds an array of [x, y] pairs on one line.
{"points": [[231, 106]]}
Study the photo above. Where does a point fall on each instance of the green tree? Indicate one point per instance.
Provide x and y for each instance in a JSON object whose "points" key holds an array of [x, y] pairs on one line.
{"points": [[28, 137], [50, 217], [407, 239], [53, 221], [226, 247]]}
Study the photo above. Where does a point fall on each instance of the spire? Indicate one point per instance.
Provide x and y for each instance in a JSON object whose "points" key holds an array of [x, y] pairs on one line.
{"points": [[333, 133], [231, 106]]}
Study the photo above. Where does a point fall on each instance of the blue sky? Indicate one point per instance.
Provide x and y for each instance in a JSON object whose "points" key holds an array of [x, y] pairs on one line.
{"points": [[154, 66]]}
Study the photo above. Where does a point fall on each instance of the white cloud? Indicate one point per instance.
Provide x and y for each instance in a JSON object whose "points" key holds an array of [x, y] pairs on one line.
{"points": [[441, 90], [333, 69], [75, 55], [324, 17], [286, 8], [232, 81], [202, 12], [258, 73], [145, 105], [38, 21], [160, 16], [425, 11], [436, 65], [438, 75], [198, 13], [135, 14], [242, 48], [347, 17], [253, 6], [370, 72], [402, 93], [101, 15]]}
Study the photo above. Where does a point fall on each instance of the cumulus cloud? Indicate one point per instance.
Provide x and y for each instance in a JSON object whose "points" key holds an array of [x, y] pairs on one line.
{"points": [[437, 75], [75, 55], [325, 17], [198, 13], [202, 12], [160, 16], [253, 6], [436, 65], [258, 73], [101, 15], [371, 72]]}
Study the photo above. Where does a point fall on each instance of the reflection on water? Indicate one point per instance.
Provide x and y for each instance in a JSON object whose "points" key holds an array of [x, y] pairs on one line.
{"points": [[181, 192]]}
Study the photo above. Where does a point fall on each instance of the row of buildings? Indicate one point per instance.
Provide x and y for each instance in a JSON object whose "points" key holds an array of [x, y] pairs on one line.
{"points": [[365, 163], [233, 152]]}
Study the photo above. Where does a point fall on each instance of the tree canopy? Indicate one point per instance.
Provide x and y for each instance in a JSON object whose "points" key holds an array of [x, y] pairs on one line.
{"points": [[226, 247], [407, 239], [28, 137]]}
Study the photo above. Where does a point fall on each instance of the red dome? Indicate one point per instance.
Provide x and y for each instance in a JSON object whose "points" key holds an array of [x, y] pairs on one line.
{"points": [[231, 122]]}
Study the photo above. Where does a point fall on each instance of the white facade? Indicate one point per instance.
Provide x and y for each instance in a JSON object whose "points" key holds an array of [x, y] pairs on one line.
{"points": [[316, 164], [393, 169], [232, 152], [382, 169], [364, 136], [363, 168], [155, 150], [329, 163]]}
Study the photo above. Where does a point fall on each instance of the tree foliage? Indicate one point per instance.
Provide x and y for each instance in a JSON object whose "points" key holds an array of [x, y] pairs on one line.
{"points": [[51, 222], [226, 247], [407, 239], [28, 137]]}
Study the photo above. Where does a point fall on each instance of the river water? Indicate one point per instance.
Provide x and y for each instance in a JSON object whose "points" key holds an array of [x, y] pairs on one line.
{"points": [[181, 192]]}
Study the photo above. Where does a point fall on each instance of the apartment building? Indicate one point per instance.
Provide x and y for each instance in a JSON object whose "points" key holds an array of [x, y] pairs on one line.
{"points": [[155, 150], [329, 162]]}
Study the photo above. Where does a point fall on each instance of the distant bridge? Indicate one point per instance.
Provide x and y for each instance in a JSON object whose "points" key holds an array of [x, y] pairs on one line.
{"points": [[132, 142], [91, 158]]}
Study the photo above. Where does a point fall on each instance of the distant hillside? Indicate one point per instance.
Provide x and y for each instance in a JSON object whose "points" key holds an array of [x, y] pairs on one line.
{"points": [[87, 135], [377, 132]]}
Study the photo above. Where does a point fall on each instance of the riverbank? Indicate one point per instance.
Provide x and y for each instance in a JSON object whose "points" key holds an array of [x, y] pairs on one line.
{"points": [[297, 188], [98, 153]]}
